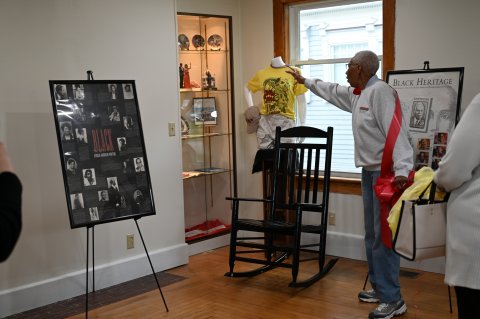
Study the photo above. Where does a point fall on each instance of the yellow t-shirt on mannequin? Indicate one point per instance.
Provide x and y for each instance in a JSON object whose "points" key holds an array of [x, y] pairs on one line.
{"points": [[279, 90]]}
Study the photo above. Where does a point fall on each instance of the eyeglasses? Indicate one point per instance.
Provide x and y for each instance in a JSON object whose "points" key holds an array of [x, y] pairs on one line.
{"points": [[349, 65]]}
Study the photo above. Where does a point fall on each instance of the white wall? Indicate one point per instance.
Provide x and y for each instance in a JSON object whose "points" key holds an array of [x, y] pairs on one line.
{"points": [[257, 49], [62, 39], [442, 32]]}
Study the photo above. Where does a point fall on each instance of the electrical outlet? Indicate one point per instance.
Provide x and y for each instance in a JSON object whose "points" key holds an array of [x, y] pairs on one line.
{"points": [[130, 243], [171, 129], [331, 219]]}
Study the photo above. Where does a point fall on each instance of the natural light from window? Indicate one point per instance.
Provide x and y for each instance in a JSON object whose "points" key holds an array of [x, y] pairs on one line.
{"points": [[323, 37]]}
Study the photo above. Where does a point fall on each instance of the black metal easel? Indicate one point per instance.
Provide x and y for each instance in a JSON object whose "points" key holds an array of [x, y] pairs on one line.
{"points": [[426, 66], [93, 268], [90, 77], [151, 265]]}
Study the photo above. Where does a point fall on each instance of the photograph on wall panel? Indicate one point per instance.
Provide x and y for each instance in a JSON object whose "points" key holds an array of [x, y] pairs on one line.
{"points": [[430, 102], [102, 151]]}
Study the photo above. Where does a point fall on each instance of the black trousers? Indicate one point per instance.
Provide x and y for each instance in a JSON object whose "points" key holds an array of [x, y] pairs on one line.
{"points": [[467, 302]]}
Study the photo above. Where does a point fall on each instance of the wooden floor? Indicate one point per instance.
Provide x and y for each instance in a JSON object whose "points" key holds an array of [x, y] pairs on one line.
{"points": [[206, 293]]}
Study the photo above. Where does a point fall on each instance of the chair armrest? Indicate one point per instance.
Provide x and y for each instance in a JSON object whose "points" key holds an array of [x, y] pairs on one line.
{"points": [[243, 199]]}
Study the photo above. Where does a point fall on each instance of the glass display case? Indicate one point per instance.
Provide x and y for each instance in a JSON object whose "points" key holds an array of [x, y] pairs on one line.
{"points": [[207, 113]]}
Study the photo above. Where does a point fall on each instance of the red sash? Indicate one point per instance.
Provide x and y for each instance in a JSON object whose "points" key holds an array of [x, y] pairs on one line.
{"points": [[384, 188]]}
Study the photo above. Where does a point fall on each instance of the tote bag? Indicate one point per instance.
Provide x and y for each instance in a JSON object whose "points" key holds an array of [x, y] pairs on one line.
{"points": [[421, 229]]}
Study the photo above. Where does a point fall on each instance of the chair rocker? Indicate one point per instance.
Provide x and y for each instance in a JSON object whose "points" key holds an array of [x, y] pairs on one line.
{"points": [[294, 209]]}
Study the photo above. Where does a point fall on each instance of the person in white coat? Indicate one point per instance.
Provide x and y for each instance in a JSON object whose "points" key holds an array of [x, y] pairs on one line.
{"points": [[459, 173]]}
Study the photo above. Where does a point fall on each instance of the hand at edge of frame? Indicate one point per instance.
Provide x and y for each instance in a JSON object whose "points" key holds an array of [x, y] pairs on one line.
{"points": [[5, 162]]}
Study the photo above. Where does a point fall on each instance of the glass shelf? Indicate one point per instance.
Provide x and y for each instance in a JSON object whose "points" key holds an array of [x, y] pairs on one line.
{"points": [[203, 90], [193, 136], [204, 172], [207, 116], [203, 51]]}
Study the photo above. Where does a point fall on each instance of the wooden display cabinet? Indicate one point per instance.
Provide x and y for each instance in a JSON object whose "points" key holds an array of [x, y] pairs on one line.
{"points": [[207, 111]]}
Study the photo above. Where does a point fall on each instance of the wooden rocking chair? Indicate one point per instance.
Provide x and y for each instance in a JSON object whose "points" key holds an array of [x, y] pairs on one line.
{"points": [[298, 206]]}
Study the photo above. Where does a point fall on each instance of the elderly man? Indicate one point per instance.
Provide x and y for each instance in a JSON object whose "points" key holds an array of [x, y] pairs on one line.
{"points": [[372, 104]]}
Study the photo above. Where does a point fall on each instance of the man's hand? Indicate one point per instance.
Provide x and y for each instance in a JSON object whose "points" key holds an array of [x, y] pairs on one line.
{"points": [[298, 77], [399, 182], [5, 163]]}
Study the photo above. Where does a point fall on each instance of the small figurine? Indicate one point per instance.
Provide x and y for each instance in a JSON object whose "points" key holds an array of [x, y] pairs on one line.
{"points": [[181, 71], [186, 76], [209, 79]]}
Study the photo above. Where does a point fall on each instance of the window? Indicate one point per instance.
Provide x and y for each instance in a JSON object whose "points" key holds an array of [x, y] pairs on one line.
{"points": [[323, 37]]}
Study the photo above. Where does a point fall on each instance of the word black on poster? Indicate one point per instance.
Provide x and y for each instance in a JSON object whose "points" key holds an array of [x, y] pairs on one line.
{"points": [[102, 151]]}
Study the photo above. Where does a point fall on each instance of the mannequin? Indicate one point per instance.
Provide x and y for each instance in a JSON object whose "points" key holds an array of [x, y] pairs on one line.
{"points": [[280, 92], [277, 62]]}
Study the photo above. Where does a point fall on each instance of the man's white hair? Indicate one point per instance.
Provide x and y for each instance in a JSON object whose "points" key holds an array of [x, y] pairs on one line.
{"points": [[368, 60]]}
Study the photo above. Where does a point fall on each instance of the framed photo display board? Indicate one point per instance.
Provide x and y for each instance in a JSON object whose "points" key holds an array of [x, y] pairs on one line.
{"points": [[102, 151], [205, 110], [430, 102]]}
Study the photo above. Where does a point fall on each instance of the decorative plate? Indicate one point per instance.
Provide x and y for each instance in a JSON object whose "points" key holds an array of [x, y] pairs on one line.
{"points": [[198, 42], [215, 41], [183, 42]]}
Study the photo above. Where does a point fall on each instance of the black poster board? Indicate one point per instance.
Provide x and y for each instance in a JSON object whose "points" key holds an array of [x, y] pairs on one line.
{"points": [[102, 151], [430, 100]]}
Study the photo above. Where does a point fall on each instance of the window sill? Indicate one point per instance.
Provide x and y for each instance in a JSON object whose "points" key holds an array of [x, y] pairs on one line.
{"points": [[344, 185]]}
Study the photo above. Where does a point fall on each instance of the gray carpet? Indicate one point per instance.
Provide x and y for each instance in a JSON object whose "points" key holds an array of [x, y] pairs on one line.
{"points": [[99, 298]]}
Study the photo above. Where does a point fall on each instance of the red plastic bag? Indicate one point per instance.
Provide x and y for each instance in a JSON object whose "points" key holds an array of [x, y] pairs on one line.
{"points": [[388, 195]]}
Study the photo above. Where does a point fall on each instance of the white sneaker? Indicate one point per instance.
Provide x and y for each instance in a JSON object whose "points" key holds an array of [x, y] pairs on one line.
{"points": [[388, 310]]}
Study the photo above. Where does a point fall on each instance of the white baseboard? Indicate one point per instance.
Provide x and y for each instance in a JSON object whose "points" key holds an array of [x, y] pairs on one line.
{"points": [[352, 246], [42, 293], [345, 245], [208, 244], [338, 244]]}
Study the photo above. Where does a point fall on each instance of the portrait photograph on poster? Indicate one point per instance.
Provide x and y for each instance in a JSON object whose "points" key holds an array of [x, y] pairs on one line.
{"points": [[430, 102], [102, 151]]}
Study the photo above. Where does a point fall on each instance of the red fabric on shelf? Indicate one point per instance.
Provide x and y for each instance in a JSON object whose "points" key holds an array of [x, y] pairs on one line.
{"points": [[207, 228]]}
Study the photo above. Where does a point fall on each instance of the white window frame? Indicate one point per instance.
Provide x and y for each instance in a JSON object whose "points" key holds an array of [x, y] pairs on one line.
{"points": [[295, 58]]}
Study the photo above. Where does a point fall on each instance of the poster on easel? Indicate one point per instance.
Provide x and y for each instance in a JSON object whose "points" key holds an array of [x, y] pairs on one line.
{"points": [[102, 151], [430, 100]]}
